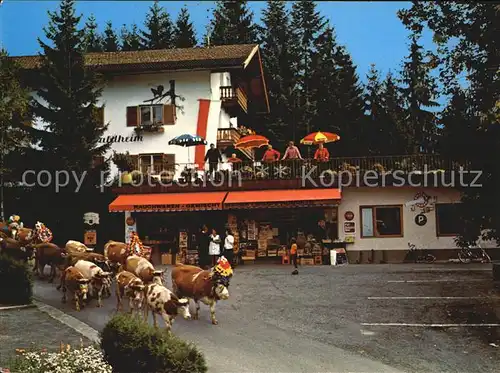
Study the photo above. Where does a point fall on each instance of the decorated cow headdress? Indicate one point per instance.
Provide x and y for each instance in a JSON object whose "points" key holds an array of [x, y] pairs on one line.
{"points": [[42, 233], [15, 222], [135, 246], [223, 267]]}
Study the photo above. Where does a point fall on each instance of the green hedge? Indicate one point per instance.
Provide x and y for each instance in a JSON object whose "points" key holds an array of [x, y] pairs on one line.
{"points": [[17, 281], [131, 345]]}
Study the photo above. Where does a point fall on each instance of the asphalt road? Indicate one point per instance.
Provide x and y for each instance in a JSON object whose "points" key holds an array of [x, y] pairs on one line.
{"points": [[315, 322]]}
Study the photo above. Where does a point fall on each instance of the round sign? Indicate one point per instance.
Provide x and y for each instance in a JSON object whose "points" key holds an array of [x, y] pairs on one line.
{"points": [[420, 219], [130, 221], [349, 215]]}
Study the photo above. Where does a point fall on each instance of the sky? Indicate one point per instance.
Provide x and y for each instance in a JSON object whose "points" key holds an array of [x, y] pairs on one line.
{"points": [[370, 30]]}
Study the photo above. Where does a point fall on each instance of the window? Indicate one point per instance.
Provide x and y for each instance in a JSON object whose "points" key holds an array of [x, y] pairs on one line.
{"points": [[156, 163], [381, 221], [150, 114], [447, 219]]}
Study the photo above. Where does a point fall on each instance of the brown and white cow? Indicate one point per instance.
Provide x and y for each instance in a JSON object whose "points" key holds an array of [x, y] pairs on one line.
{"points": [[142, 268], [14, 249], [73, 280], [49, 254], [100, 281], [116, 253], [75, 247], [130, 286], [199, 285], [89, 256], [160, 300]]}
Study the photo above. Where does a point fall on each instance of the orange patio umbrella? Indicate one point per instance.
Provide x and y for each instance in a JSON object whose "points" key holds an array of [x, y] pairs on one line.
{"points": [[319, 137], [251, 142]]}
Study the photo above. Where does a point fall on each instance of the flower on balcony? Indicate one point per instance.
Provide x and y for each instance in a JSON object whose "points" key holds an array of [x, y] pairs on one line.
{"points": [[379, 168], [153, 127]]}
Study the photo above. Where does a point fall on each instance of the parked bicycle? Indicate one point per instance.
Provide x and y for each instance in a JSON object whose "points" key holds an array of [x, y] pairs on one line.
{"points": [[420, 255], [471, 253]]}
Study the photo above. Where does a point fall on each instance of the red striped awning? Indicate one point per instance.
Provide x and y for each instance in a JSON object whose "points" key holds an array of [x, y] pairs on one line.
{"points": [[282, 198], [168, 202]]}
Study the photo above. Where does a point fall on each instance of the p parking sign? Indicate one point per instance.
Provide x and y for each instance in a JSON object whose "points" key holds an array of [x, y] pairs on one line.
{"points": [[420, 220]]}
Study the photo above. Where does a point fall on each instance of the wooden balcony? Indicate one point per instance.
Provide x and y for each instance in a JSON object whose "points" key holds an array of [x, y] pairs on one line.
{"points": [[233, 99], [227, 137], [429, 170]]}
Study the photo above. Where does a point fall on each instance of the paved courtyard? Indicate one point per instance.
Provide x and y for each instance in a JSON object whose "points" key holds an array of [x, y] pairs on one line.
{"points": [[357, 318]]}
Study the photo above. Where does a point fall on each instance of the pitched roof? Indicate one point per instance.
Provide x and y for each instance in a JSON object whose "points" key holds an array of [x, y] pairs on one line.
{"points": [[162, 59]]}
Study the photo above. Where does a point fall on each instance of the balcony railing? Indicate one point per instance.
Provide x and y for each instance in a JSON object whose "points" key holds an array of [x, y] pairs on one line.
{"points": [[230, 95], [311, 169], [227, 136]]}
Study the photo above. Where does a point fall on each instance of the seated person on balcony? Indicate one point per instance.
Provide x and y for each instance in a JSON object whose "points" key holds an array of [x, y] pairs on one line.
{"points": [[214, 157], [322, 155], [235, 161]]}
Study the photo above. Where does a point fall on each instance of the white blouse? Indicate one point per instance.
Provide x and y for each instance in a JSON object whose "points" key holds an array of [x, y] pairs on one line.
{"points": [[229, 242], [214, 245]]}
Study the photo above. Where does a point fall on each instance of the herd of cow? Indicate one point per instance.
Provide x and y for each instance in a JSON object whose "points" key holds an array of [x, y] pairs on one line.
{"points": [[87, 274]]}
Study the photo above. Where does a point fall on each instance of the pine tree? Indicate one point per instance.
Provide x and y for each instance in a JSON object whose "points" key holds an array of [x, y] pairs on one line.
{"points": [[14, 99], [232, 23], [474, 30], [93, 40], [130, 40], [67, 95], [275, 42], [325, 77], [419, 88], [306, 26], [375, 134], [110, 41], [350, 118], [159, 29], [394, 116], [184, 34]]}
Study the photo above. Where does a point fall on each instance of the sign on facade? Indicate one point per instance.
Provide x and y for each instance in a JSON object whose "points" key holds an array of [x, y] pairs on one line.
{"points": [[349, 215], [349, 227], [90, 238], [421, 220], [91, 218], [130, 226]]}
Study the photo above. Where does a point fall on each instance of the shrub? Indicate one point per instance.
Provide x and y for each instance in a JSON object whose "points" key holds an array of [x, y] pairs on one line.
{"points": [[132, 345], [17, 281], [84, 359]]}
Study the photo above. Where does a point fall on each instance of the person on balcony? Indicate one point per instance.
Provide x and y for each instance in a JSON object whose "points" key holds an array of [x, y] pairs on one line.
{"points": [[213, 157], [235, 161], [292, 154], [321, 156], [270, 156]]}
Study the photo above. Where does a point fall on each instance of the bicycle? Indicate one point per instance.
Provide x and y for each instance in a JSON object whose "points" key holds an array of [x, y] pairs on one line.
{"points": [[467, 255], [420, 255]]}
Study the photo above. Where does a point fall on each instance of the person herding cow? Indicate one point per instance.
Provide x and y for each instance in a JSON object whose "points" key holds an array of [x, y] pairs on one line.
{"points": [[207, 286]]}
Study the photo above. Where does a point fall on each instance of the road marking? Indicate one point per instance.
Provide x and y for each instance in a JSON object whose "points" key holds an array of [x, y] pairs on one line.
{"points": [[449, 269], [367, 332], [424, 281], [435, 325], [375, 298]]}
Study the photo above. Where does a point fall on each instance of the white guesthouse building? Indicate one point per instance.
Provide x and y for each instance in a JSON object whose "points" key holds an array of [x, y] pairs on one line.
{"points": [[150, 97]]}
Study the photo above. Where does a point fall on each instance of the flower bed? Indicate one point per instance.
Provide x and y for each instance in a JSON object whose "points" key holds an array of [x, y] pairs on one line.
{"points": [[83, 360]]}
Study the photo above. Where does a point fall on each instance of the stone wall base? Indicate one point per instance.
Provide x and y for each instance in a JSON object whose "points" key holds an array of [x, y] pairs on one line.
{"points": [[401, 256]]}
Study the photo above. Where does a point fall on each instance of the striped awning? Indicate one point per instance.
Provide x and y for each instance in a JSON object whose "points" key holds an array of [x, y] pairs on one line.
{"points": [[167, 202]]}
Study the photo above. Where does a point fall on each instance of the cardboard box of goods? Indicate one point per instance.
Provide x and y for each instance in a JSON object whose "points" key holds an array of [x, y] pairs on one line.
{"points": [[272, 252], [166, 259], [250, 253], [262, 253], [307, 262]]}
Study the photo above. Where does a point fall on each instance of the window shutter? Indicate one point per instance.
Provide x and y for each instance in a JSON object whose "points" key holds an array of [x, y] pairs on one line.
{"points": [[100, 113], [169, 162], [169, 116], [135, 162], [132, 116]]}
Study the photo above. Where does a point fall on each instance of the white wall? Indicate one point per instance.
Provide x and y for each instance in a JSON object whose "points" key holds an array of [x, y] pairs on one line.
{"points": [[422, 236], [132, 90]]}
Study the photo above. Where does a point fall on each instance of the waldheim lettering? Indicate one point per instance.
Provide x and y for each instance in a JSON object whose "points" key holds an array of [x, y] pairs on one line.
{"points": [[120, 138]]}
